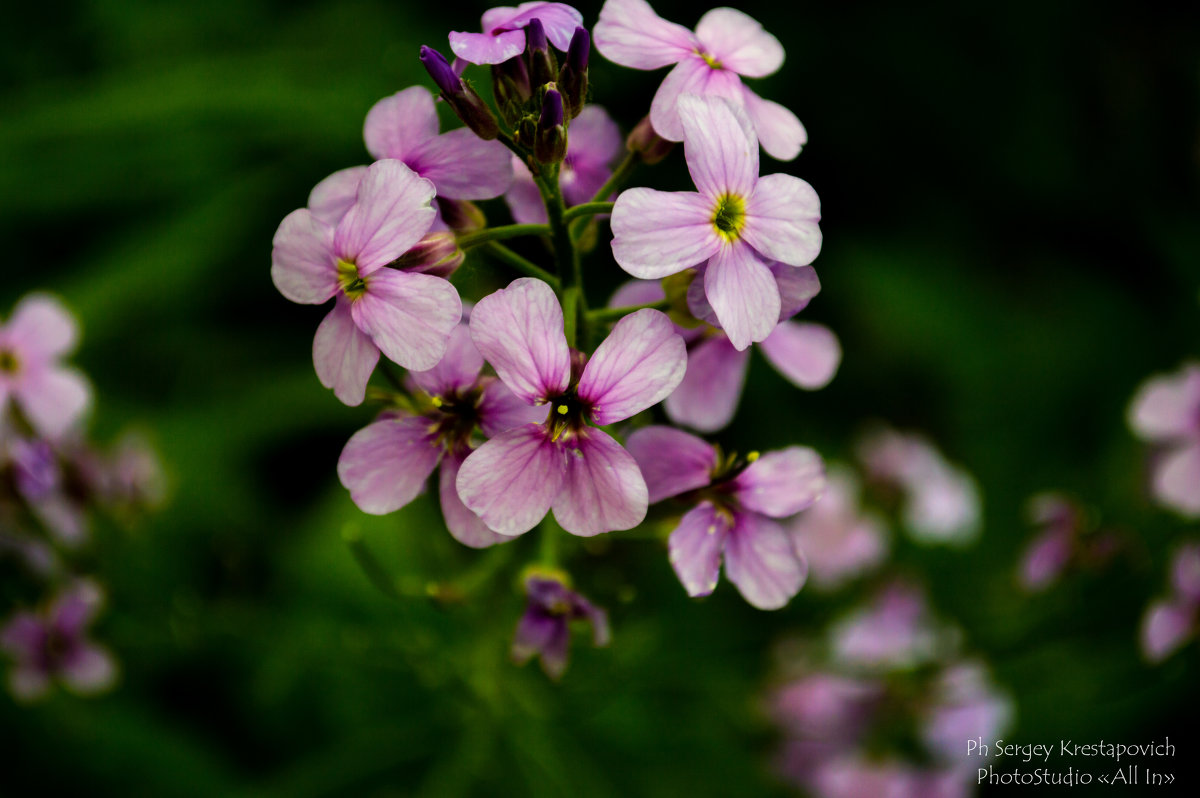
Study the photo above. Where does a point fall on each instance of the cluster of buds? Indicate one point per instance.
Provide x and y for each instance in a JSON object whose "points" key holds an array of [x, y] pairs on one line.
{"points": [[52, 482]]}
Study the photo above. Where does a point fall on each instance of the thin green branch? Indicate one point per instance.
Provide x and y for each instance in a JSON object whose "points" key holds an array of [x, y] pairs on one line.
{"points": [[477, 237], [602, 315], [587, 209], [523, 265]]}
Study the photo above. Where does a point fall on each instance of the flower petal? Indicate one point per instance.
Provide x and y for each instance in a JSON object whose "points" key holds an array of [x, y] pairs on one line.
{"points": [[408, 316], [797, 286], [392, 212], [690, 76], [396, 126], [760, 560], [779, 130], [500, 409], [457, 370], [671, 460], [511, 480], [782, 220], [658, 233], [523, 198], [332, 197], [637, 366], [603, 491], [302, 259], [708, 396], [385, 464], [720, 148], [695, 549], [483, 48], [466, 527], [1165, 627], [559, 20], [1177, 480], [594, 138], [41, 328], [636, 292], [343, 355], [88, 670], [739, 42], [629, 33], [1167, 406], [519, 330], [743, 294], [53, 399], [782, 483], [464, 166], [807, 354]]}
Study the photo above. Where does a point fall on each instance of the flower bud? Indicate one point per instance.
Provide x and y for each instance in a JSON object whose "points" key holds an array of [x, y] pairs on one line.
{"points": [[550, 140], [647, 143], [437, 254], [543, 66], [511, 88], [461, 215], [573, 77], [462, 99]]}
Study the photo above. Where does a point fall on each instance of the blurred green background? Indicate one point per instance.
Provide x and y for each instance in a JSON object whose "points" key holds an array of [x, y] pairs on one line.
{"points": [[1011, 208]]}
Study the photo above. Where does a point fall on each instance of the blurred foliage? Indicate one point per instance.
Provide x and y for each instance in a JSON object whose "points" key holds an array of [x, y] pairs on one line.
{"points": [[1011, 213]]}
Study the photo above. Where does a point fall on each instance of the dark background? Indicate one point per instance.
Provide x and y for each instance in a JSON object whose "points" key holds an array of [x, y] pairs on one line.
{"points": [[1010, 215]]}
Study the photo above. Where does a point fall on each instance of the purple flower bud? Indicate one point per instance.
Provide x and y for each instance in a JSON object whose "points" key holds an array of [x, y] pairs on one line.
{"points": [[543, 66], [535, 37], [646, 142], [550, 141], [573, 78], [461, 215], [440, 70], [437, 254], [511, 88], [552, 110]]}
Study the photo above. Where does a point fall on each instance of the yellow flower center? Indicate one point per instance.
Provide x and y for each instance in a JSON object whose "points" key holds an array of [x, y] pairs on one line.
{"points": [[352, 285], [729, 216], [708, 59]]}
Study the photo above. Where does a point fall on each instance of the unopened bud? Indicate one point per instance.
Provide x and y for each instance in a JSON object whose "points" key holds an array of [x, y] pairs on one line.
{"points": [[510, 86], [543, 66], [437, 254], [550, 140], [461, 215], [468, 105], [647, 143], [573, 77]]}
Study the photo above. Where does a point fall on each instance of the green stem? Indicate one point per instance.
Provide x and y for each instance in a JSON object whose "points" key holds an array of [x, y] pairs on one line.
{"points": [[474, 239], [507, 256], [566, 257], [619, 176], [587, 209], [548, 549], [601, 315], [570, 306]]}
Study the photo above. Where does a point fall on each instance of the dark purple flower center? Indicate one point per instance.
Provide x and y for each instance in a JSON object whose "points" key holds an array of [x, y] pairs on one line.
{"points": [[568, 417], [721, 490], [455, 417]]}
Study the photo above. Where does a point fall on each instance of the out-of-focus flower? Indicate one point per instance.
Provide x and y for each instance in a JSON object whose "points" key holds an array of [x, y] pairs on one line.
{"points": [[726, 46], [963, 705], [735, 224], [941, 502], [1064, 541], [732, 520], [593, 143], [568, 462], [385, 465], [544, 629], [39, 480], [839, 540], [53, 646], [51, 396], [1171, 622], [503, 34], [408, 316], [1166, 412], [894, 631]]}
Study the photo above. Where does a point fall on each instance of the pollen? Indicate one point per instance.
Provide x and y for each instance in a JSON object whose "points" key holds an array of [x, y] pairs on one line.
{"points": [[352, 285], [562, 410], [751, 457], [436, 401], [729, 216], [708, 59]]}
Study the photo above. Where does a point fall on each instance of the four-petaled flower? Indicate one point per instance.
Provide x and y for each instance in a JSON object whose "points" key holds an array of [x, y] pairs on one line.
{"points": [[735, 504], [726, 46], [567, 462], [544, 628], [408, 316], [385, 464], [51, 396], [736, 224], [503, 34]]}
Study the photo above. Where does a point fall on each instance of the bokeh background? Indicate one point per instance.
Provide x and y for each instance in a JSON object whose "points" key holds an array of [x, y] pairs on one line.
{"points": [[1012, 245]]}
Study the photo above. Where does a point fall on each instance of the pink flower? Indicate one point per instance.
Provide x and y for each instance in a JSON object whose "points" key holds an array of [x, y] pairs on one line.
{"points": [[566, 463], [894, 630], [726, 46], [1171, 622], [503, 34], [386, 464], [1166, 411], [838, 539], [53, 645], [544, 628], [593, 142], [406, 315], [732, 520], [964, 705], [51, 396], [736, 224]]}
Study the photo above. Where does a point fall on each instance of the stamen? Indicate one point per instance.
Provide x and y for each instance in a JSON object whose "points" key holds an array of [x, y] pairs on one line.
{"points": [[708, 59], [729, 217], [352, 285]]}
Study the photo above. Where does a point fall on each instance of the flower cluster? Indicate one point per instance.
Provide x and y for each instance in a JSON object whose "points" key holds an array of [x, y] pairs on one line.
{"points": [[1171, 622], [52, 480], [534, 406], [1166, 412]]}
